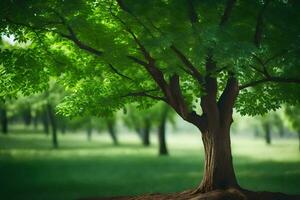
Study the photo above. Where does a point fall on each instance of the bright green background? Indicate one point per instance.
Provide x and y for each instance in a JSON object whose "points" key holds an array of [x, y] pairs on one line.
{"points": [[30, 169]]}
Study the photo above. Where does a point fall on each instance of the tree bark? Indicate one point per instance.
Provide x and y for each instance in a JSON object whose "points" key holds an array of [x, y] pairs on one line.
{"points": [[52, 121], [218, 170], [163, 150], [112, 132], [4, 121]]}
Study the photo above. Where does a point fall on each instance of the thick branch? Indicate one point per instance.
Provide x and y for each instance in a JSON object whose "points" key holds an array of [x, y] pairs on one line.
{"points": [[196, 74], [271, 80], [177, 99], [227, 100], [209, 100]]}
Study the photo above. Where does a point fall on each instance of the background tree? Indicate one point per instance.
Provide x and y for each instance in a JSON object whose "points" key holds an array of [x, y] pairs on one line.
{"points": [[140, 121], [293, 114], [111, 122], [4, 119], [238, 55]]}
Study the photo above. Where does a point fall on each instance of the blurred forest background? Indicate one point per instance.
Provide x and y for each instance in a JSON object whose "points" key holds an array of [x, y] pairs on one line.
{"points": [[44, 155]]}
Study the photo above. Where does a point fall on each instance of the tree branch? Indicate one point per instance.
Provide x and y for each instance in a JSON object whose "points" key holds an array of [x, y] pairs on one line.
{"points": [[120, 74], [74, 37], [196, 74], [144, 94], [209, 100], [271, 80], [71, 37], [227, 100]]}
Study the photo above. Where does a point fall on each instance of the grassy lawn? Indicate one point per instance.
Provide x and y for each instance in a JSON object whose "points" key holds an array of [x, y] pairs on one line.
{"points": [[31, 169]]}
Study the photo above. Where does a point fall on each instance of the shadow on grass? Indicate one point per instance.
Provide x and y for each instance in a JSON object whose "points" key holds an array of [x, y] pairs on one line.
{"points": [[69, 173]]}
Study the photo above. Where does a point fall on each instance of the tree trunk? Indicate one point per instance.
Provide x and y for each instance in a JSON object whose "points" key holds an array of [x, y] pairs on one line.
{"points": [[112, 132], [45, 121], [267, 133], [163, 150], [215, 128], [218, 170], [256, 132], [146, 133], [281, 131], [89, 130], [63, 128], [52, 121], [4, 121], [35, 121], [299, 139], [27, 116]]}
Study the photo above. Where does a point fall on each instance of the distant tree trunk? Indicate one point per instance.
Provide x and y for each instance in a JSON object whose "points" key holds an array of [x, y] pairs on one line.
{"points": [[281, 131], [162, 133], [299, 139], [45, 121], [4, 121], [63, 128], [146, 132], [89, 130], [112, 131], [35, 121], [27, 116], [256, 132], [52, 121], [267, 129]]}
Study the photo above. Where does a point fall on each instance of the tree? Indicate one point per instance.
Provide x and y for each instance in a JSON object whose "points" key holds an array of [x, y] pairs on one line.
{"points": [[112, 53], [4, 119], [270, 122], [163, 150], [111, 127], [140, 121], [293, 114]]}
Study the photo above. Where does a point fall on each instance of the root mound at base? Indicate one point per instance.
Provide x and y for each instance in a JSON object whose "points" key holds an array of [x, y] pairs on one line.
{"points": [[229, 194]]}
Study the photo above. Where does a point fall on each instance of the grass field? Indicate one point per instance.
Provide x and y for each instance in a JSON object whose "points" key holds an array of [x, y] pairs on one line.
{"points": [[31, 169]]}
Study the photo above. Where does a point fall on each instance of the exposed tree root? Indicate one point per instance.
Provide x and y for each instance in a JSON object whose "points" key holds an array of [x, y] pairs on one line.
{"points": [[229, 194]]}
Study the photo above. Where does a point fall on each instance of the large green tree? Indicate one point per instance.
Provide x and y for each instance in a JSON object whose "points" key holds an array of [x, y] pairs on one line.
{"points": [[203, 58]]}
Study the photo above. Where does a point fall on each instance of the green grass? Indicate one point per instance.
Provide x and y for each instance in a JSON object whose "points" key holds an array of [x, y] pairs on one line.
{"points": [[31, 169]]}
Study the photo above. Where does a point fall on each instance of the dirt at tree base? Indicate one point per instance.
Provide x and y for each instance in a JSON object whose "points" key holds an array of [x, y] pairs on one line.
{"points": [[229, 194]]}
